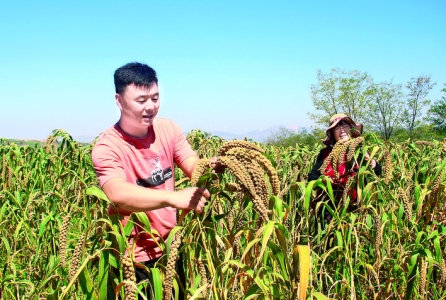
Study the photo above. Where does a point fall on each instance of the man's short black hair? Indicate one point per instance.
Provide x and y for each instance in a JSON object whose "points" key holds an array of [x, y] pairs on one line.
{"points": [[134, 73]]}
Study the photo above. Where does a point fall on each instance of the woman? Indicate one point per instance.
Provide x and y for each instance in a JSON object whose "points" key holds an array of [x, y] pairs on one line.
{"points": [[342, 128]]}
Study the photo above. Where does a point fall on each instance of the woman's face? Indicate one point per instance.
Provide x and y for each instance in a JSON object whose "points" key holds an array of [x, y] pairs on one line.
{"points": [[341, 131]]}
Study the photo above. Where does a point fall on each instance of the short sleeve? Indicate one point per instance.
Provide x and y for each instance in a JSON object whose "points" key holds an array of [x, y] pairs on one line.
{"points": [[182, 148], [106, 163]]}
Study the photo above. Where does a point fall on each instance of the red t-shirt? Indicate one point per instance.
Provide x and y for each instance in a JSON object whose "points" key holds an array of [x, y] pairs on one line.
{"points": [[148, 162]]}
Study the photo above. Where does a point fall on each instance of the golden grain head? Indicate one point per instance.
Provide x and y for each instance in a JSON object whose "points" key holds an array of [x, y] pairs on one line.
{"points": [[76, 255], [387, 167], [378, 240], [347, 189], [337, 149], [261, 209], [238, 144], [443, 273], [437, 181], [63, 240], [342, 153], [327, 160], [423, 273], [200, 168], [406, 203], [203, 275], [258, 178], [233, 187], [352, 146], [239, 171], [270, 171], [170, 267]]}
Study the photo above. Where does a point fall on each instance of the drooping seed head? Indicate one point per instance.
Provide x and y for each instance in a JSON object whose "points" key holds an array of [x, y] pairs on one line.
{"points": [[63, 240], [76, 255], [170, 267], [201, 166], [387, 167], [406, 204], [352, 146], [238, 144]]}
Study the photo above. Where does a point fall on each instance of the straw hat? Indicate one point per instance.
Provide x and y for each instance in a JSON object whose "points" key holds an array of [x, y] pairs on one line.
{"points": [[355, 131]]}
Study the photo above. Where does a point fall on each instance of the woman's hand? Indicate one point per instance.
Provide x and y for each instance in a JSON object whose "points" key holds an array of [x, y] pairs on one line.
{"points": [[367, 158], [326, 178]]}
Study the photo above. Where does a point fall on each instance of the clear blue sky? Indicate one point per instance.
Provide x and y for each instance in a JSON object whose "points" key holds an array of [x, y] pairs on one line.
{"points": [[233, 66]]}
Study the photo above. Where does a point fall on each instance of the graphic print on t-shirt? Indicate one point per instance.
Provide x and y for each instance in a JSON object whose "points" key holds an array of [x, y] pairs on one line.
{"points": [[158, 174]]}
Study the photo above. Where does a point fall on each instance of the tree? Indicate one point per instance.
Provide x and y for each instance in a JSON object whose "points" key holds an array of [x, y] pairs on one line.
{"points": [[385, 108], [341, 92], [418, 89], [437, 114]]}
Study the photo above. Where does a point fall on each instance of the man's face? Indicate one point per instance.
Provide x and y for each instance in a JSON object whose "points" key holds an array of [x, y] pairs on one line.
{"points": [[139, 106]]}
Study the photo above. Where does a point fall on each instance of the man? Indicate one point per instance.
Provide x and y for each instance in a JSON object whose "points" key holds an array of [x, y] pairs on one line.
{"points": [[134, 162]]}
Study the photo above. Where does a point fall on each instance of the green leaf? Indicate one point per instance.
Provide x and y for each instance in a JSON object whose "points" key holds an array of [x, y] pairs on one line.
{"points": [[7, 246], [412, 271], [86, 284], [278, 207], [104, 268], [143, 220], [217, 218], [43, 225], [96, 191], [418, 239], [170, 238], [437, 247], [250, 272], [319, 296], [339, 239], [278, 254], [266, 236], [157, 283]]}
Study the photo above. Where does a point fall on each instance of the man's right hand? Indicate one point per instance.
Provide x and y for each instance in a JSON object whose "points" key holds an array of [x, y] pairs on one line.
{"points": [[132, 197], [191, 198]]}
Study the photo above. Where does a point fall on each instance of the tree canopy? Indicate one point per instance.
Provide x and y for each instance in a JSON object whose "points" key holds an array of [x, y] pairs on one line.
{"points": [[437, 114], [385, 108], [341, 91], [416, 100]]}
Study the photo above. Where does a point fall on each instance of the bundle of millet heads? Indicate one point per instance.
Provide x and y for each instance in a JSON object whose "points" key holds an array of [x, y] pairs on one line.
{"points": [[342, 151], [245, 160]]}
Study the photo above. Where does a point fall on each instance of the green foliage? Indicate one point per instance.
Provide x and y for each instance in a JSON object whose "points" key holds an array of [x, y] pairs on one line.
{"points": [[424, 132]]}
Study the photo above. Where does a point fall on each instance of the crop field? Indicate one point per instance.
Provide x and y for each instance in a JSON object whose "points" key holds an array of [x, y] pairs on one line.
{"points": [[262, 234]]}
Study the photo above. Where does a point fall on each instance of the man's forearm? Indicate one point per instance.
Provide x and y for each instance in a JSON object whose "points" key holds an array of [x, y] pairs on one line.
{"points": [[136, 198]]}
